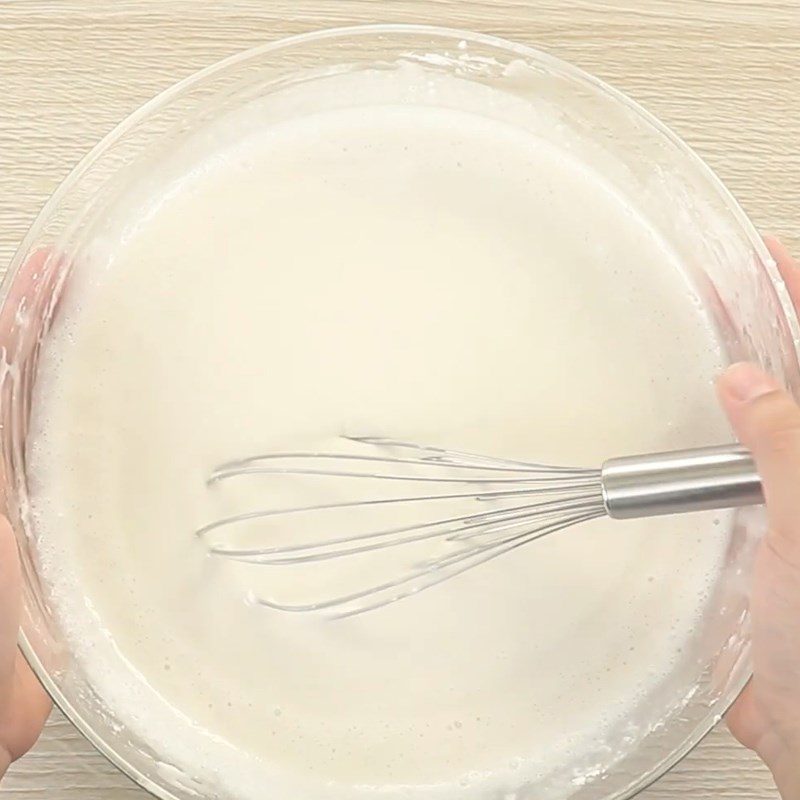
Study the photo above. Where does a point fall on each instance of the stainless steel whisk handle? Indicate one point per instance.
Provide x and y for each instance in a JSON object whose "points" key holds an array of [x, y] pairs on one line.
{"points": [[679, 481]]}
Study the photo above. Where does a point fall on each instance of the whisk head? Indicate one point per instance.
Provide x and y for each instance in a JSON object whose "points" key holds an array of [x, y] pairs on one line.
{"points": [[458, 509]]}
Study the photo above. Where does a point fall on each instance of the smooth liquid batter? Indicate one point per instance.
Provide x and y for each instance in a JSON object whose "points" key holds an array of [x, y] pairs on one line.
{"points": [[399, 269]]}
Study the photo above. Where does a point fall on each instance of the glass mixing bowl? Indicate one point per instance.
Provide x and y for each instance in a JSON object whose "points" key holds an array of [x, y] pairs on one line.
{"points": [[722, 253]]}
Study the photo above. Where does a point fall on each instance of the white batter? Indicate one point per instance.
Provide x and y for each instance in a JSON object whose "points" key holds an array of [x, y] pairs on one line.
{"points": [[405, 269]]}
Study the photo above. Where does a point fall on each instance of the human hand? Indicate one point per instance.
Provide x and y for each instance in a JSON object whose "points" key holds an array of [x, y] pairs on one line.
{"points": [[766, 718], [24, 705]]}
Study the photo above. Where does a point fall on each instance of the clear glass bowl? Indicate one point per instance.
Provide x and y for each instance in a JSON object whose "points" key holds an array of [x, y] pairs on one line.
{"points": [[725, 257]]}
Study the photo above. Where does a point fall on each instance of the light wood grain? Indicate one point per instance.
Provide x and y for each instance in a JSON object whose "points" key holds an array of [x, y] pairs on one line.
{"points": [[722, 73]]}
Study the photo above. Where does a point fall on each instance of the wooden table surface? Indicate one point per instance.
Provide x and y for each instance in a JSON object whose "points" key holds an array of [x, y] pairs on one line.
{"points": [[724, 74]]}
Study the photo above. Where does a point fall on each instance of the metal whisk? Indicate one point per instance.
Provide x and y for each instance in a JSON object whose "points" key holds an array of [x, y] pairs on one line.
{"points": [[520, 503]]}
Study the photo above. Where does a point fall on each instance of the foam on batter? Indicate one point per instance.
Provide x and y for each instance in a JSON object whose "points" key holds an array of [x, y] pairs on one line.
{"points": [[409, 262]]}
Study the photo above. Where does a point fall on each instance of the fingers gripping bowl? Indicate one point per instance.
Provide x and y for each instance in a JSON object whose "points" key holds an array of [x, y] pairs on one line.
{"points": [[728, 266]]}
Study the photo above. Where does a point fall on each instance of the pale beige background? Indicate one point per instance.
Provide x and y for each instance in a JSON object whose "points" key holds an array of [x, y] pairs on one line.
{"points": [[725, 74]]}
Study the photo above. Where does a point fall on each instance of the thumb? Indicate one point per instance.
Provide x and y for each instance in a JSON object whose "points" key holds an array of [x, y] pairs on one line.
{"points": [[767, 421], [9, 606]]}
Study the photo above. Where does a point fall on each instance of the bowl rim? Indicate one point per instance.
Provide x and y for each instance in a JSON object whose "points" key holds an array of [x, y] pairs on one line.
{"points": [[557, 65]]}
